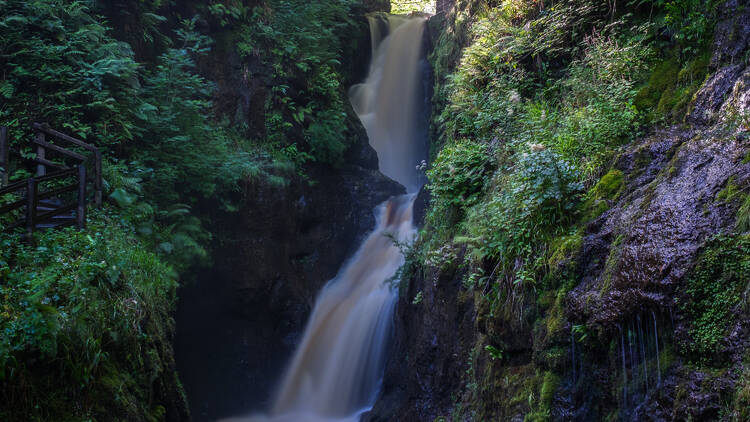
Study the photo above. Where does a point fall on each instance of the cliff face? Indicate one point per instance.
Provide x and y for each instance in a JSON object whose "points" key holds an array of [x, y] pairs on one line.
{"points": [[240, 321], [652, 321]]}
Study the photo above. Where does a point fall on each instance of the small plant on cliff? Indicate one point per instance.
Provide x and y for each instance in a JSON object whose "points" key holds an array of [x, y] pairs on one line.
{"points": [[714, 294], [535, 202], [459, 173]]}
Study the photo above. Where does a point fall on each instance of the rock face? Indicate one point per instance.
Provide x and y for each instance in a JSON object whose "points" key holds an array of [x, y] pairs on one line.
{"points": [[276, 254], [631, 271], [239, 322]]}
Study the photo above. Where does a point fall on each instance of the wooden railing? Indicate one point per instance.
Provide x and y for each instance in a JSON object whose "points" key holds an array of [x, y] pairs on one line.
{"points": [[31, 193], [41, 131], [33, 217], [4, 155]]}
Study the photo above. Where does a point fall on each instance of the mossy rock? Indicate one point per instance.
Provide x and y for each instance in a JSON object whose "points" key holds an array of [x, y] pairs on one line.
{"points": [[565, 248], [608, 188], [712, 297], [671, 89], [663, 78], [730, 192]]}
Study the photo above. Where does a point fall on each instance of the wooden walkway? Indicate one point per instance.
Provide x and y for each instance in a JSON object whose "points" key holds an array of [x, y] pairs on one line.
{"points": [[67, 169]]}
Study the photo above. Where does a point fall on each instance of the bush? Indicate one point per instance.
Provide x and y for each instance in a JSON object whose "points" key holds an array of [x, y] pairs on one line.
{"points": [[62, 66], [459, 173], [85, 325], [533, 205]]}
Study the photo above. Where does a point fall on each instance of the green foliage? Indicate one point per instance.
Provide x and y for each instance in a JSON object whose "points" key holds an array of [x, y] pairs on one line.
{"points": [[90, 308], [537, 199], [743, 216], [158, 119], [403, 7], [670, 89], [459, 173], [301, 43], [61, 66], [190, 156], [546, 394], [608, 188], [494, 352], [715, 292], [691, 21]]}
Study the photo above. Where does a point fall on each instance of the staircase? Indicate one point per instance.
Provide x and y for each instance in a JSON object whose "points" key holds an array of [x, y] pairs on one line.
{"points": [[66, 170]]}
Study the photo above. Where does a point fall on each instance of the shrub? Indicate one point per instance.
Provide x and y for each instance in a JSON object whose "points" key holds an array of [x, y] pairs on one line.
{"points": [[85, 325], [535, 204], [459, 173]]}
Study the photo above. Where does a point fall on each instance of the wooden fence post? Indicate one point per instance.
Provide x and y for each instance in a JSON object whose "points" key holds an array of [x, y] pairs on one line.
{"points": [[40, 153], [31, 205], [98, 178], [81, 213], [4, 155]]}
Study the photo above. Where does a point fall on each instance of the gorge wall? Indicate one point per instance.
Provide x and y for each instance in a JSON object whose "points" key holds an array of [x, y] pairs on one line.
{"points": [[640, 309], [273, 254]]}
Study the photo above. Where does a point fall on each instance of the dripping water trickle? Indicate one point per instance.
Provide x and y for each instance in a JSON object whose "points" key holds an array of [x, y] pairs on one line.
{"points": [[656, 342]]}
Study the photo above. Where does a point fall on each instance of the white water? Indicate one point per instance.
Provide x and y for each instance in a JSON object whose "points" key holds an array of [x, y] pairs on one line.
{"points": [[387, 101], [336, 371]]}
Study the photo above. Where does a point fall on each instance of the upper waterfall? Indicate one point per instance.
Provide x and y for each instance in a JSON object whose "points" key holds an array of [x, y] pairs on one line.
{"points": [[387, 102]]}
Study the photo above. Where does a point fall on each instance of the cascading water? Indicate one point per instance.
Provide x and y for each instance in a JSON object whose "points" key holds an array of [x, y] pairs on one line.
{"points": [[387, 102], [336, 371]]}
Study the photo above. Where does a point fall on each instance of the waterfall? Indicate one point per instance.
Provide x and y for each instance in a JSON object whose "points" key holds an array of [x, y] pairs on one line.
{"points": [[387, 102], [336, 371]]}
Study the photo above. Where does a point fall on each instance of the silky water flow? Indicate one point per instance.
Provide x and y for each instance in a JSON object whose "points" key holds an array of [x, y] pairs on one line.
{"points": [[336, 371]]}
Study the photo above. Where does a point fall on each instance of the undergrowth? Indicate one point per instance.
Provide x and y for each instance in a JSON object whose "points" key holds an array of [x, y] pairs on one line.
{"points": [[90, 308]]}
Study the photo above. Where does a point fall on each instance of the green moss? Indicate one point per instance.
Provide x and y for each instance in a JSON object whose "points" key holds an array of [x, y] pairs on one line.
{"points": [[547, 394], [734, 193], [615, 250], [746, 160], [730, 192], [564, 248], [743, 216], [609, 185], [662, 80], [608, 188], [556, 317], [670, 89], [543, 410], [741, 411]]}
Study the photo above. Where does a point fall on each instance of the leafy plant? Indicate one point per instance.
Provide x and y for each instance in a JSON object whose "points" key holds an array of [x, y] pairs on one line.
{"points": [[458, 174], [715, 291]]}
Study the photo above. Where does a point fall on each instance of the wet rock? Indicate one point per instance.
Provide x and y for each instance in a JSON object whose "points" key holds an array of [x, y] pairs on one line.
{"points": [[732, 34], [653, 233], [420, 206], [431, 350], [712, 95]]}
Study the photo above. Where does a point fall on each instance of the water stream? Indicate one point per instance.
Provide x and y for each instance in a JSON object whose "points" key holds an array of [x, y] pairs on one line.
{"points": [[336, 371]]}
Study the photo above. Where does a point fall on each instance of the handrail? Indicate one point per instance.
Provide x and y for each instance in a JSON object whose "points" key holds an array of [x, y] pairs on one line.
{"points": [[59, 149], [49, 131], [32, 198], [56, 175], [4, 154], [43, 129], [12, 187]]}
